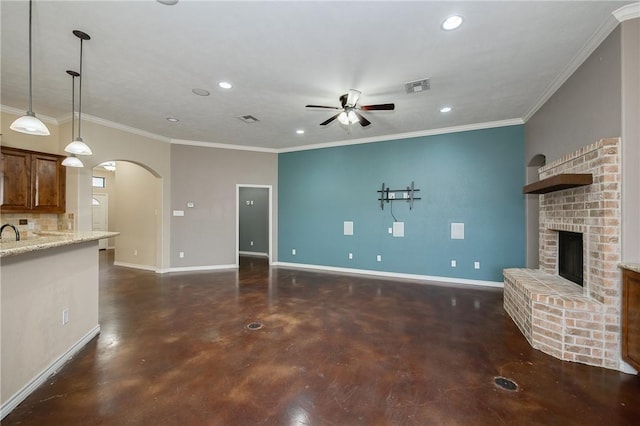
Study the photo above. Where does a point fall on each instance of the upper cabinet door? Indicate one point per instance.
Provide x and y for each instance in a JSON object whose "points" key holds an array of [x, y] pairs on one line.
{"points": [[15, 181], [48, 182]]}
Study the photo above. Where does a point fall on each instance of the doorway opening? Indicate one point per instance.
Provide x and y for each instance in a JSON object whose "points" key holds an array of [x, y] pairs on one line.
{"points": [[136, 193], [254, 221]]}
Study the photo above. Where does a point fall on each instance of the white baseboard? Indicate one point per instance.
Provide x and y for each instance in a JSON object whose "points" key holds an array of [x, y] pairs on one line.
{"points": [[196, 268], [430, 278], [53, 368], [253, 254], [135, 266], [626, 368]]}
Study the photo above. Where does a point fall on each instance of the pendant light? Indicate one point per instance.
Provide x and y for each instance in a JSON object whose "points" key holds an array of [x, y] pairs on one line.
{"points": [[77, 146], [72, 160], [29, 123]]}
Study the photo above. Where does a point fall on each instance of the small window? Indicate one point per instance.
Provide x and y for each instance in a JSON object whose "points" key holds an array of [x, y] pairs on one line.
{"points": [[98, 182]]}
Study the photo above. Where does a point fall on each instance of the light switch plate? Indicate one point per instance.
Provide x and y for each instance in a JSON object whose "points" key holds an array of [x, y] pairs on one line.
{"points": [[348, 228], [398, 229], [457, 231]]}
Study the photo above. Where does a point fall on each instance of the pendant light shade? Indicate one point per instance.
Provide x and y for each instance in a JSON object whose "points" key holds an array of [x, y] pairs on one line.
{"points": [[77, 146], [29, 123], [72, 161]]}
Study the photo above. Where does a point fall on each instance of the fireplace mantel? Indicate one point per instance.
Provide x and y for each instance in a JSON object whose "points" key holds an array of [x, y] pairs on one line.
{"points": [[558, 182]]}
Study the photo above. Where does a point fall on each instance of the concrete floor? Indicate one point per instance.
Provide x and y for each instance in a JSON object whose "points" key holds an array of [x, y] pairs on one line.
{"points": [[332, 350]]}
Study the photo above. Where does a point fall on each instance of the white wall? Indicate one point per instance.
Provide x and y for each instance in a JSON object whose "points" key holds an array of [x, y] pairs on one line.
{"points": [[36, 287], [137, 200]]}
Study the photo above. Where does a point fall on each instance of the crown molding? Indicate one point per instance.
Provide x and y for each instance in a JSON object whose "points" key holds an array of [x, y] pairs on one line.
{"points": [[20, 113], [609, 24], [455, 129], [409, 135], [118, 126], [223, 146], [630, 11]]}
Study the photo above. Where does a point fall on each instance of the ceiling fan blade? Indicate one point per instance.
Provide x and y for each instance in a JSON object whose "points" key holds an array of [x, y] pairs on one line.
{"points": [[321, 106], [379, 107], [363, 121], [352, 97], [324, 123]]}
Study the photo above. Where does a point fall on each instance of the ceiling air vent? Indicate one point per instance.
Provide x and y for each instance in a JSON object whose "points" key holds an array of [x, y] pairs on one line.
{"points": [[248, 119], [417, 86]]}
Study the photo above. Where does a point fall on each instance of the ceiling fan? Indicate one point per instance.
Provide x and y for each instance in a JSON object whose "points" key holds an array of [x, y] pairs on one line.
{"points": [[350, 112]]}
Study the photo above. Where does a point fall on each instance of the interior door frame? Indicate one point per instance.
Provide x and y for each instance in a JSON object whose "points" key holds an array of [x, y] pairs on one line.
{"points": [[270, 191], [104, 243]]}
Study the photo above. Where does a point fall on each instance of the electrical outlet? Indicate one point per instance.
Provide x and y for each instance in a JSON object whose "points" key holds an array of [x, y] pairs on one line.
{"points": [[293, 252], [181, 254], [350, 256], [251, 242], [379, 258], [391, 230], [454, 264], [135, 252], [65, 316], [476, 265]]}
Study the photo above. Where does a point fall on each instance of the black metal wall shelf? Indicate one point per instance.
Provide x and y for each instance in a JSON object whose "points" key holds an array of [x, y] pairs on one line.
{"points": [[407, 194]]}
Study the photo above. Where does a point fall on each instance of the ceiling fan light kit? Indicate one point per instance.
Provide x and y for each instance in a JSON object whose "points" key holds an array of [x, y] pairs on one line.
{"points": [[29, 123], [349, 114]]}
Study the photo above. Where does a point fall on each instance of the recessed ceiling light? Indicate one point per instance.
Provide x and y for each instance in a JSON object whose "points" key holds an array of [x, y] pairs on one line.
{"points": [[300, 131], [445, 109], [452, 22], [172, 119], [167, 2], [225, 85], [200, 92]]}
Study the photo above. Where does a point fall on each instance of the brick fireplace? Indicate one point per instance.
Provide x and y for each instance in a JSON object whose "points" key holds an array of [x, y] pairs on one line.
{"points": [[557, 316]]}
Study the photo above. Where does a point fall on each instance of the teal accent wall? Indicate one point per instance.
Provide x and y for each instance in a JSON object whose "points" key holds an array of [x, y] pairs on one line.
{"points": [[473, 177]]}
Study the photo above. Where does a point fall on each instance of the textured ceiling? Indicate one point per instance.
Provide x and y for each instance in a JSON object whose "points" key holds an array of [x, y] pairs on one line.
{"points": [[144, 58]]}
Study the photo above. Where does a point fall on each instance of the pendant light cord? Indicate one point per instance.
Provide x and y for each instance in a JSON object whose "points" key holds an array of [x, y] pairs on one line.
{"points": [[73, 106], [30, 60], [80, 94]]}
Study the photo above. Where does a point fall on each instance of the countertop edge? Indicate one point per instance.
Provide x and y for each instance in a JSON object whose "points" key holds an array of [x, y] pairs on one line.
{"points": [[630, 266], [51, 239]]}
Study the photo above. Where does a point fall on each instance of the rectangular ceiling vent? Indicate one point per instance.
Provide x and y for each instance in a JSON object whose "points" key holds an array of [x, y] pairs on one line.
{"points": [[248, 119], [417, 86]]}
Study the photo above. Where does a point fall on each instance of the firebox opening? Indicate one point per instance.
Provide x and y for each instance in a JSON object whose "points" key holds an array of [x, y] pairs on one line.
{"points": [[570, 256]]}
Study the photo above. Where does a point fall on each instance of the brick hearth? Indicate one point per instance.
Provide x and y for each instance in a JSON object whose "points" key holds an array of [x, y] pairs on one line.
{"points": [[558, 317]]}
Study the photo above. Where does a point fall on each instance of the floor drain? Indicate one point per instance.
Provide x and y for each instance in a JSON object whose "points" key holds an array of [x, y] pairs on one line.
{"points": [[254, 326], [505, 384]]}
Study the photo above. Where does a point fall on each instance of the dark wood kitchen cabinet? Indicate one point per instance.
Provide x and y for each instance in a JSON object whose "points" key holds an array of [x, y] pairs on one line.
{"points": [[631, 317], [32, 182]]}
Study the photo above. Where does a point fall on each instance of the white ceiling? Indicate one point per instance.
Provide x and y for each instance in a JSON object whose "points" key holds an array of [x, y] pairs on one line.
{"points": [[144, 58]]}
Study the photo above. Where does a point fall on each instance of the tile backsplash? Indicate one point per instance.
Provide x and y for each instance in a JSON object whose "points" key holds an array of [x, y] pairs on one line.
{"points": [[39, 222]]}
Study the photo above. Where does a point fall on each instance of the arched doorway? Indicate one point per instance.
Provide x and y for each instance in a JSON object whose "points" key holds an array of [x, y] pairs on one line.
{"points": [[132, 196]]}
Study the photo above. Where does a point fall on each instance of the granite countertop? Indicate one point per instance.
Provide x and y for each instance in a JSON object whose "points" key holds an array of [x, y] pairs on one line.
{"points": [[49, 239], [630, 266]]}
